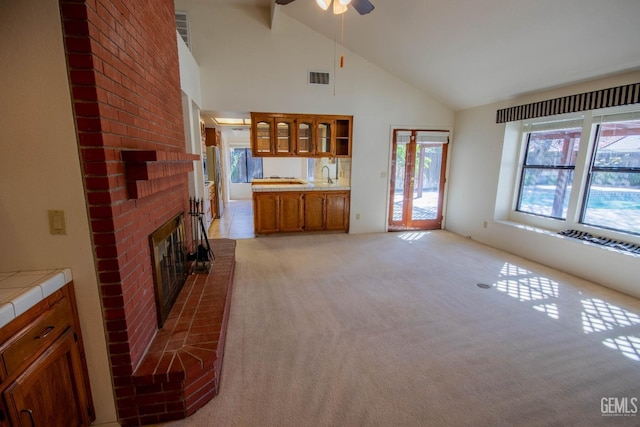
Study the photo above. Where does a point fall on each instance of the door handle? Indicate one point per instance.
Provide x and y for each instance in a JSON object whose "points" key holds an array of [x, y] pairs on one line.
{"points": [[30, 413], [46, 331]]}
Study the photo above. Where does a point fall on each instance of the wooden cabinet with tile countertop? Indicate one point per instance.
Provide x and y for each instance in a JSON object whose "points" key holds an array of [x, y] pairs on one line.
{"points": [[42, 362], [298, 210]]}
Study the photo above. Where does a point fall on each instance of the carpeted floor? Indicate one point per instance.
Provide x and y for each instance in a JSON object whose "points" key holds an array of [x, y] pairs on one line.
{"points": [[391, 329]]}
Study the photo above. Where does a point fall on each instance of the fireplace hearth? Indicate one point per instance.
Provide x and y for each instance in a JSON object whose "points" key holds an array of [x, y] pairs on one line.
{"points": [[170, 266]]}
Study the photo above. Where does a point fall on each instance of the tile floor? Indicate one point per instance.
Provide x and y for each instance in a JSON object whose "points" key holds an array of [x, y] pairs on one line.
{"points": [[236, 221]]}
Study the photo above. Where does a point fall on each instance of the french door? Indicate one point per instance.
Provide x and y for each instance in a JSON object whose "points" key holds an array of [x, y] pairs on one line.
{"points": [[418, 166]]}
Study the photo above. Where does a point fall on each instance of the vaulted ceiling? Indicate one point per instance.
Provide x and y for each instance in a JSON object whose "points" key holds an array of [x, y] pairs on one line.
{"points": [[467, 53]]}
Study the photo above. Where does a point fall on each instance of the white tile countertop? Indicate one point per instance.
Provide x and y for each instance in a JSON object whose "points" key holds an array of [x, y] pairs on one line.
{"points": [[297, 184], [21, 290]]}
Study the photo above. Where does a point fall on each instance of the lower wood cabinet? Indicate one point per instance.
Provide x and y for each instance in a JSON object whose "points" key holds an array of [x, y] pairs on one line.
{"points": [[51, 391], [337, 211], [43, 369], [288, 211], [291, 212], [266, 212], [314, 211]]}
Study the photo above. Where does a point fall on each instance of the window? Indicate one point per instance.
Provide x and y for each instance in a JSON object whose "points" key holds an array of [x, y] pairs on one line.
{"points": [[547, 170], [613, 187], [243, 166], [582, 171]]}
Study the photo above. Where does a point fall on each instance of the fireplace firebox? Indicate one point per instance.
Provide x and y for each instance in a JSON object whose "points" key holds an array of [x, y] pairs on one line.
{"points": [[170, 266]]}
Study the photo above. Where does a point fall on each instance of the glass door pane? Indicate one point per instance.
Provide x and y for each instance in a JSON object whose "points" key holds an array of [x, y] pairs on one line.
{"points": [[323, 138], [402, 140], [426, 194], [283, 138], [263, 137], [304, 137]]}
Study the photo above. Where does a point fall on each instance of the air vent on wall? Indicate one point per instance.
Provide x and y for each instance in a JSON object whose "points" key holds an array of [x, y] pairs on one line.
{"points": [[318, 78], [182, 26]]}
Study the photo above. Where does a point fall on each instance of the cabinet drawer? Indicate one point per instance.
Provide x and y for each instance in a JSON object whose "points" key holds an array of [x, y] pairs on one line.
{"points": [[37, 336]]}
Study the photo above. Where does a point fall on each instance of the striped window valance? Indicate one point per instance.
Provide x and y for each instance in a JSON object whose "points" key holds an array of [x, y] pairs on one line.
{"points": [[611, 97]]}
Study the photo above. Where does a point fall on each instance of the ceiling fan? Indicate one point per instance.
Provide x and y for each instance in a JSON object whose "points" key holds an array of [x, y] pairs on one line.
{"points": [[340, 6]]}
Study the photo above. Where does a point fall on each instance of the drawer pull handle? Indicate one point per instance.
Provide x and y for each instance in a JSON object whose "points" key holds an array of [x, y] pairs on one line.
{"points": [[30, 413], [46, 332]]}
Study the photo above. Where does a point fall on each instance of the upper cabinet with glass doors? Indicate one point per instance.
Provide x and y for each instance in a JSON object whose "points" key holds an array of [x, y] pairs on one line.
{"points": [[309, 135], [262, 135], [304, 136], [284, 140], [325, 136]]}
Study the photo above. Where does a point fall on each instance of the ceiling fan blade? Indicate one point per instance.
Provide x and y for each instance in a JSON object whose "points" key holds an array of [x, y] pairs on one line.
{"points": [[362, 6], [283, 1]]}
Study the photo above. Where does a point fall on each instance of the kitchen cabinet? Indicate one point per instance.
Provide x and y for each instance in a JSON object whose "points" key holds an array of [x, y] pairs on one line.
{"points": [[266, 213], [284, 138], [50, 392], [213, 137], [43, 367], [211, 206], [301, 135], [294, 211], [344, 132], [273, 135], [325, 138], [291, 212], [278, 212], [262, 135], [304, 136], [333, 136], [337, 211], [326, 211], [314, 212]]}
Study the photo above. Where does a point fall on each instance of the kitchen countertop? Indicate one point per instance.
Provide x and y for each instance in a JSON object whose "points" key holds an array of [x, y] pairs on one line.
{"points": [[21, 290], [297, 184]]}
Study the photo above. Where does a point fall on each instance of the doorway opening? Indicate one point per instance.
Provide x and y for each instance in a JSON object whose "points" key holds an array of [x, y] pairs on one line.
{"points": [[418, 166]]}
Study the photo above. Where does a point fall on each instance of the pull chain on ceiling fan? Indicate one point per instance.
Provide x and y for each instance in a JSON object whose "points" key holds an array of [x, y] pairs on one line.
{"points": [[340, 6]]}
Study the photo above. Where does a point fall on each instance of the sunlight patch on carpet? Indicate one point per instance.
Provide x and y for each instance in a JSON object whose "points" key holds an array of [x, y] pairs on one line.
{"points": [[550, 310], [600, 316], [627, 345], [412, 235]]}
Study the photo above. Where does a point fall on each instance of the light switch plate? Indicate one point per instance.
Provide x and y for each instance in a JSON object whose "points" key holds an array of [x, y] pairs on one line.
{"points": [[57, 224]]}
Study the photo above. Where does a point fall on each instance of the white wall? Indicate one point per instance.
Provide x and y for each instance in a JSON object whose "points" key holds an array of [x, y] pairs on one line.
{"points": [[40, 170], [245, 66], [476, 162], [190, 87]]}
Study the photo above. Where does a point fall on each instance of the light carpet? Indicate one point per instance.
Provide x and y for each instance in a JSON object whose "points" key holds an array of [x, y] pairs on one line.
{"points": [[391, 329]]}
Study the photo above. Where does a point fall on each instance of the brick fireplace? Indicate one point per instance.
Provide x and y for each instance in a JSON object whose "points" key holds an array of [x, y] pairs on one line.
{"points": [[122, 62]]}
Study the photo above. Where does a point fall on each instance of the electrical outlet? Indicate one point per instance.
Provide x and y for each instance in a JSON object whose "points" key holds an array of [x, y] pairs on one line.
{"points": [[484, 224], [357, 216]]}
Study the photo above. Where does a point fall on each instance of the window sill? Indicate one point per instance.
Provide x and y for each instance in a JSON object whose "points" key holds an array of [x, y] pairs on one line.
{"points": [[554, 234]]}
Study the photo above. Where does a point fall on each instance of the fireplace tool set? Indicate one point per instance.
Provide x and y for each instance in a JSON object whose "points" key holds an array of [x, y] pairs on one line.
{"points": [[203, 254]]}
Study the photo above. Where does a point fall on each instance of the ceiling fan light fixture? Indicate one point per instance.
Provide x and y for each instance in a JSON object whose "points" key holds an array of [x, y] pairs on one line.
{"points": [[339, 7], [324, 4], [344, 2]]}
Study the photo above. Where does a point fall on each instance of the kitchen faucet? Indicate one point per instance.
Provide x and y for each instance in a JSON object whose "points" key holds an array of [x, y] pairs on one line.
{"points": [[328, 174]]}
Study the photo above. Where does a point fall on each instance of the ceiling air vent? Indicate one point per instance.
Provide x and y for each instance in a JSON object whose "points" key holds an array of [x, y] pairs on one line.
{"points": [[318, 78], [182, 26]]}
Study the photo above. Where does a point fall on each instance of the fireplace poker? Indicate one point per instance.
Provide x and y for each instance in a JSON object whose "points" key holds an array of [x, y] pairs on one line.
{"points": [[194, 224]]}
